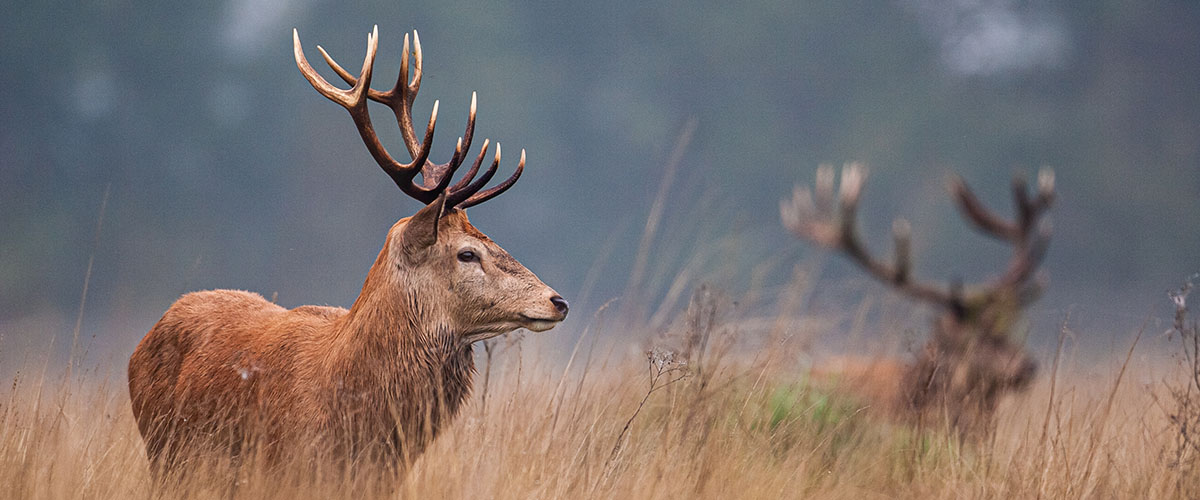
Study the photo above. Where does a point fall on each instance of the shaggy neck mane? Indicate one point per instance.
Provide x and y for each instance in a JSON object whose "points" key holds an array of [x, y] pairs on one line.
{"points": [[397, 352]]}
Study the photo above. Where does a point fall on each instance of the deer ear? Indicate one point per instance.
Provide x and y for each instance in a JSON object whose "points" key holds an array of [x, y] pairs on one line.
{"points": [[421, 231]]}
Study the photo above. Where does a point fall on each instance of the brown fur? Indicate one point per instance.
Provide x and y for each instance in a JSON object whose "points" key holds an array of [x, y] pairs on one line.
{"points": [[957, 379], [961, 374], [875, 382], [225, 372]]}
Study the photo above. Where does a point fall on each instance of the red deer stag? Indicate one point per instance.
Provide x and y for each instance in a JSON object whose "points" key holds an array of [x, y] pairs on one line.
{"points": [[971, 358], [225, 372]]}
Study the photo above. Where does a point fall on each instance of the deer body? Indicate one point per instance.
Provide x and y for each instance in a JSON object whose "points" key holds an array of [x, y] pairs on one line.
{"points": [[224, 370]]}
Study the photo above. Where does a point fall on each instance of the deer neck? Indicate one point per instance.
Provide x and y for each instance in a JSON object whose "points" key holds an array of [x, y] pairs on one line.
{"points": [[397, 347]]}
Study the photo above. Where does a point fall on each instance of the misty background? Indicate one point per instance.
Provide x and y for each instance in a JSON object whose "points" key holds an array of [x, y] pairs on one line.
{"points": [[156, 148]]}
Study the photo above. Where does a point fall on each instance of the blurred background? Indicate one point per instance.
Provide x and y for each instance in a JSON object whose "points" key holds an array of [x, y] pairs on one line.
{"points": [[148, 149]]}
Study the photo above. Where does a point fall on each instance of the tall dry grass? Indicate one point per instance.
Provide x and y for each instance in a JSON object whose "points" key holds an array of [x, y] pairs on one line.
{"points": [[718, 421], [713, 411]]}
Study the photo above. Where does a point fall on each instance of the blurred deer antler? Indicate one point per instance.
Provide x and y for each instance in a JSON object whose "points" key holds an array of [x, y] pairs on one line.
{"points": [[816, 216]]}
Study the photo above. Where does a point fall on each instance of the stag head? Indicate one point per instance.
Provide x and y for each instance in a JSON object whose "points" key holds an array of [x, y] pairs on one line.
{"points": [[478, 289], [467, 283]]}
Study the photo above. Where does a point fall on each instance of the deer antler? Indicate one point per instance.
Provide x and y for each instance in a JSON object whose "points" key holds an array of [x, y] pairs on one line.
{"points": [[435, 176], [1028, 234], [812, 215]]}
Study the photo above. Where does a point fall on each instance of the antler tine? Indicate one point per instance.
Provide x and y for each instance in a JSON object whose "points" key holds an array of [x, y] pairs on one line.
{"points": [[809, 213], [346, 76], [439, 174], [1029, 245], [464, 145], [355, 101], [469, 133], [342, 72], [1023, 205], [464, 188], [1025, 260], [816, 221], [902, 241], [1045, 187], [415, 84], [495, 191], [346, 98], [1029, 209], [1028, 233], [403, 174], [470, 175], [1029, 251], [799, 215], [854, 177], [437, 177], [400, 99], [985, 220]]}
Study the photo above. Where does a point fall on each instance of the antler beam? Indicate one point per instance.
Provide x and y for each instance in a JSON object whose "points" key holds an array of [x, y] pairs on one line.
{"points": [[435, 177]]}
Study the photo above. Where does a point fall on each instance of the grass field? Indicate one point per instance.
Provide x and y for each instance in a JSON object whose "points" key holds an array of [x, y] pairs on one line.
{"points": [[734, 423]]}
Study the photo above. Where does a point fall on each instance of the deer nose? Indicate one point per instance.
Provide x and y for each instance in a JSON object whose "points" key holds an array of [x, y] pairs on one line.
{"points": [[560, 304]]}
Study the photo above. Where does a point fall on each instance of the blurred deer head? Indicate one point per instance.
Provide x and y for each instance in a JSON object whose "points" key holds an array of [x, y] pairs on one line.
{"points": [[972, 356]]}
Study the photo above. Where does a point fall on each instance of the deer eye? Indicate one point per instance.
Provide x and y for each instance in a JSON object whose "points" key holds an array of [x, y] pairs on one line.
{"points": [[468, 256]]}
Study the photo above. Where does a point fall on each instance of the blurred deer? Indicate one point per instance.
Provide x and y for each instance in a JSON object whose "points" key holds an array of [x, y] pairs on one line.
{"points": [[228, 372], [972, 356]]}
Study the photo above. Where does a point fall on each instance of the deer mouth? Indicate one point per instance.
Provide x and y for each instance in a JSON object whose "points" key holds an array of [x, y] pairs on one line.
{"points": [[538, 324]]}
